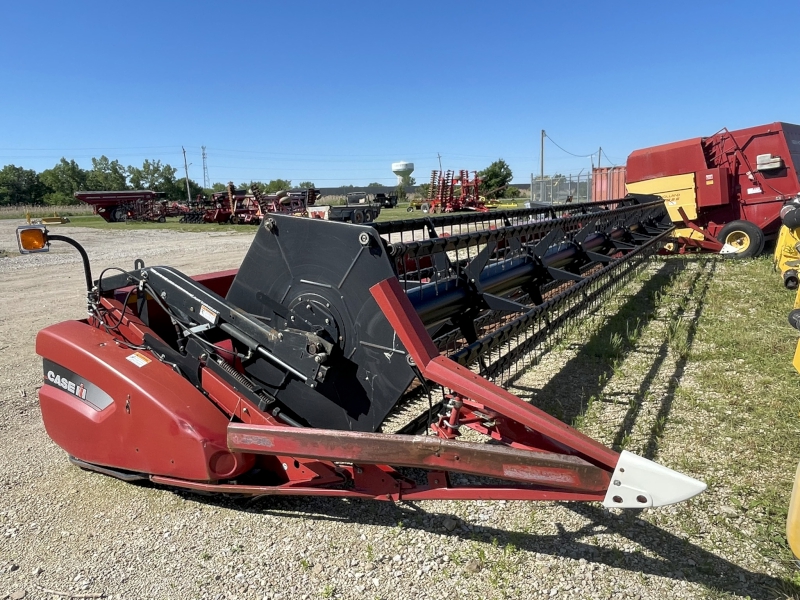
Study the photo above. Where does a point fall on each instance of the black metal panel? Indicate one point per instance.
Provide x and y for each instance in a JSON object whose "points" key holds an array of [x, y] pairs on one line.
{"points": [[320, 272]]}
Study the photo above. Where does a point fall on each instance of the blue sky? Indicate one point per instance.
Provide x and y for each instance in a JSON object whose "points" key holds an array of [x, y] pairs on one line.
{"points": [[334, 92]]}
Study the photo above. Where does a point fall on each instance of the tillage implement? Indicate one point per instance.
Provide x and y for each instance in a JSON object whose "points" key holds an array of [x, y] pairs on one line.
{"points": [[361, 361]]}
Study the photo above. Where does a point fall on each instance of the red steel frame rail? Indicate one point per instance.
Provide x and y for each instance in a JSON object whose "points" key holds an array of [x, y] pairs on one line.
{"points": [[541, 458]]}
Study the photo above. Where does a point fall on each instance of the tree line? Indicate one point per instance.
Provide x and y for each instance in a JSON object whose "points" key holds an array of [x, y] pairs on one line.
{"points": [[57, 186]]}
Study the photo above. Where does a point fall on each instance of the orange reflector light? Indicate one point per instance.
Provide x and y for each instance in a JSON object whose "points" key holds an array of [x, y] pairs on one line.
{"points": [[32, 239]]}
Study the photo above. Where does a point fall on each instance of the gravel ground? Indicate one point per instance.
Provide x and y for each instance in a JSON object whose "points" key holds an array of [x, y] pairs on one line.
{"points": [[85, 535]]}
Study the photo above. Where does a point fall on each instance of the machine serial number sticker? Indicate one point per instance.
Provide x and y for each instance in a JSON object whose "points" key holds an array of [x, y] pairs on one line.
{"points": [[209, 314], [755, 190], [138, 359]]}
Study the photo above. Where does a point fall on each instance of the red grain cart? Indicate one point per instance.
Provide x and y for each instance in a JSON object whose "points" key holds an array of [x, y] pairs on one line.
{"points": [[126, 205]]}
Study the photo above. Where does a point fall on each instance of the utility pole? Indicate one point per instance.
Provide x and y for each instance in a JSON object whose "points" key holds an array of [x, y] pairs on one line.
{"points": [[440, 161], [541, 180], [186, 169], [599, 154], [206, 178]]}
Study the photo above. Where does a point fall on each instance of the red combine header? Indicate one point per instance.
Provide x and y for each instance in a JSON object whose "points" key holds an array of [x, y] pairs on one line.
{"points": [[728, 189], [351, 361]]}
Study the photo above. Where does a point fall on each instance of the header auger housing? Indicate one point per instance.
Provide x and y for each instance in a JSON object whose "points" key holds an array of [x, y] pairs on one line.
{"points": [[348, 360]]}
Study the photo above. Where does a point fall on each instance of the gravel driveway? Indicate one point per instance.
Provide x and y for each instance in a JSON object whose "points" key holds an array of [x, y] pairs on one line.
{"points": [[86, 535]]}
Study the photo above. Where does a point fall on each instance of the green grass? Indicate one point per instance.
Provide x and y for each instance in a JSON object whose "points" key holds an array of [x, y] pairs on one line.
{"points": [[740, 426], [750, 392]]}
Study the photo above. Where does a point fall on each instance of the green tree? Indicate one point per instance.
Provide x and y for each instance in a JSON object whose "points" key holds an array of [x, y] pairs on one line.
{"points": [[20, 186], [218, 187], [306, 184], [152, 176], [401, 187], [106, 175], [375, 184], [276, 185], [62, 181], [512, 192], [495, 179], [177, 191]]}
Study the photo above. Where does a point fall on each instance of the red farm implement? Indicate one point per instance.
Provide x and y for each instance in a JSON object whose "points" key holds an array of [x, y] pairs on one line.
{"points": [[287, 203], [248, 206], [453, 192], [353, 361], [726, 190], [131, 205], [231, 206]]}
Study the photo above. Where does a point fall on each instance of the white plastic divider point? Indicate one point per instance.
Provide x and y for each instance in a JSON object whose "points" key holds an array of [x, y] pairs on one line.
{"points": [[641, 483]]}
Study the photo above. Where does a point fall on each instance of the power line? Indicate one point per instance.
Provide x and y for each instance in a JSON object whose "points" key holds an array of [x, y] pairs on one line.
{"points": [[343, 157], [567, 151], [337, 155], [175, 148], [74, 156], [347, 180], [613, 164], [69, 149]]}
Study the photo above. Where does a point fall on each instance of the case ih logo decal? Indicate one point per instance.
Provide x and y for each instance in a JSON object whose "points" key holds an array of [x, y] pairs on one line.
{"points": [[59, 377], [79, 390]]}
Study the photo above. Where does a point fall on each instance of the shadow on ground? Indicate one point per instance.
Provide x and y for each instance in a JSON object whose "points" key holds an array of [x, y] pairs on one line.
{"points": [[567, 393], [673, 556]]}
